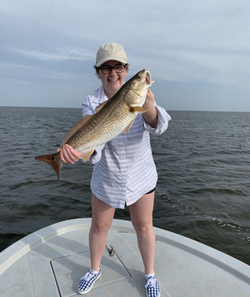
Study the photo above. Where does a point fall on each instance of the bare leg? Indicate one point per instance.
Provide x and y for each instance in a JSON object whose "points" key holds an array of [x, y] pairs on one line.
{"points": [[141, 213], [102, 217]]}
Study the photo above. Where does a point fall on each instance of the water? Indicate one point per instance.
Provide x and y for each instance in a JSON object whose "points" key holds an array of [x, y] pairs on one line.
{"points": [[203, 162]]}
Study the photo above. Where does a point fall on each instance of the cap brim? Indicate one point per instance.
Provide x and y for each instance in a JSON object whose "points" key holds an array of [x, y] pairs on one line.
{"points": [[122, 60]]}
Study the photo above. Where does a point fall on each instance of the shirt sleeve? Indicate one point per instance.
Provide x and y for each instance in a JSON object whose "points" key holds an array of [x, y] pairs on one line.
{"points": [[162, 125], [88, 109], [96, 156]]}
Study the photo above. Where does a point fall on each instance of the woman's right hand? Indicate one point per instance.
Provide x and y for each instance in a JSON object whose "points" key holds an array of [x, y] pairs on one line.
{"points": [[69, 155]]}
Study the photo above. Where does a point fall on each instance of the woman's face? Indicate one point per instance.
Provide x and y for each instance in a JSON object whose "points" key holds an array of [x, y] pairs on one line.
{"points": [[112, 81]]}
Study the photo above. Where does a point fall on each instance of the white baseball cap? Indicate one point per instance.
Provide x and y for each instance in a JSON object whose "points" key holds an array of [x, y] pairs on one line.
{"points": [[110, 51]]}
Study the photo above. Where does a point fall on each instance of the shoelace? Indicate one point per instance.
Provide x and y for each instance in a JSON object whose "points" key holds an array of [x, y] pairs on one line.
{"points": [[151, 281], [88, 276]]}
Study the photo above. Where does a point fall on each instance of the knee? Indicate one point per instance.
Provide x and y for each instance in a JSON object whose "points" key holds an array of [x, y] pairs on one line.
{"points": [[100, 227], [143, 227]]}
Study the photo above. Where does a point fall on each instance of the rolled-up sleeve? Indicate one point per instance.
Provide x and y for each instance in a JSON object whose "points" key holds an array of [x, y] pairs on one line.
{"points": [[162, 125], [96, 156]]}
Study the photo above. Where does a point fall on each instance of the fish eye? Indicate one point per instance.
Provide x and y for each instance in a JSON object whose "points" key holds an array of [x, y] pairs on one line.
{"points": [[138, 78]]}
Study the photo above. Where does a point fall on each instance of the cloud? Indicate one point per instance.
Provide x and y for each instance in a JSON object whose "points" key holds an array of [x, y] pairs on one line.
{"points": [[54, 54]]}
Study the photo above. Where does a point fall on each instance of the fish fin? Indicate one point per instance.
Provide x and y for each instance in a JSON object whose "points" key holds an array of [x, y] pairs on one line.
{"points": [[54, 161], [87, 154], [139, 109], [99, 107], [128, 127], [75, 128]]}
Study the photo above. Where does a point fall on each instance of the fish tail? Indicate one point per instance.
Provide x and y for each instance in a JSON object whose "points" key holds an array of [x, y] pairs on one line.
{"points": [[54, 161]]}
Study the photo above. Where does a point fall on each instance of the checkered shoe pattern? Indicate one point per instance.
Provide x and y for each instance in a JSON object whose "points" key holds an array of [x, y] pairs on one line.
{"points": [[152, 287], [87, 282]]}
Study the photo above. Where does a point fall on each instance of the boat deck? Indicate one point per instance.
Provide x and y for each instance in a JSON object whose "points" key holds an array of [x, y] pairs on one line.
{"points": [[50, 262]]}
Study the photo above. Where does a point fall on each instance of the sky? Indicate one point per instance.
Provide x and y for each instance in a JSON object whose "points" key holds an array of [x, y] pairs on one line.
{"points": [[197, 51]]}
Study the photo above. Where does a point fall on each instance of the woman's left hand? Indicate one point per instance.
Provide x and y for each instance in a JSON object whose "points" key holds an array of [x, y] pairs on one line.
{"points": [[150, 100], [150, 116]]}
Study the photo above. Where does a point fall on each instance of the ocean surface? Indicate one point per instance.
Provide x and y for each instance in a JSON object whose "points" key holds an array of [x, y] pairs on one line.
{"points": [[203, 191]]}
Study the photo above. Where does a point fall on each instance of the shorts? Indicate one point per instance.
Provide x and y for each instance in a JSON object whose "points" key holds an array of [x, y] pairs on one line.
{"points": [[150, 192]]}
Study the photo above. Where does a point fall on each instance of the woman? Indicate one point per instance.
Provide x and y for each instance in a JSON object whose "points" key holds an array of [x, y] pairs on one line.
{"points": [[124, 170]]}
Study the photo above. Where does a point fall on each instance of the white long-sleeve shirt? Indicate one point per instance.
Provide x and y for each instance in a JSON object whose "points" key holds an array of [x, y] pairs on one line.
{"points": [[124, 168]]}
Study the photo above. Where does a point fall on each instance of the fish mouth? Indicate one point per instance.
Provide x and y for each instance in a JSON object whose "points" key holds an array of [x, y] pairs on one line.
{"points": [[149, 80]]}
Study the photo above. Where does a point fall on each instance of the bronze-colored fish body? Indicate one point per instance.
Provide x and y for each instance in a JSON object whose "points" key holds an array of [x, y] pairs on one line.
{"points": [[112, 117]]}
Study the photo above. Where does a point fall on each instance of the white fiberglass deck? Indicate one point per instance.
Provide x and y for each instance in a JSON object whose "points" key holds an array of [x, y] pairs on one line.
{"points": [[51, 261]]}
